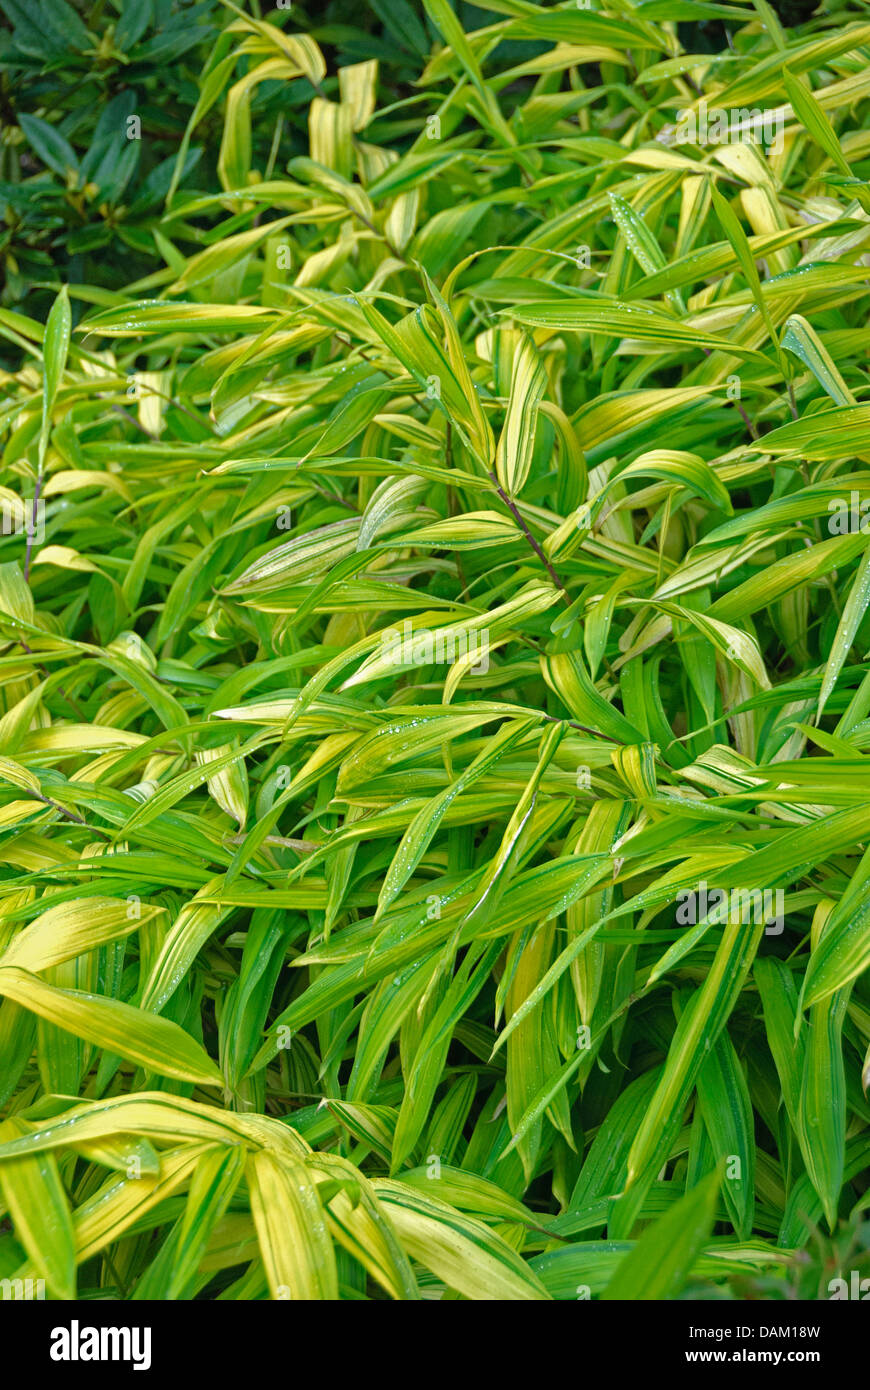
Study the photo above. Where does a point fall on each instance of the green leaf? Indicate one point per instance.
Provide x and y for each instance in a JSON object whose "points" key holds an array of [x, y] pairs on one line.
{"points": [[154, 1043], [48, 143], [661, 1261]]}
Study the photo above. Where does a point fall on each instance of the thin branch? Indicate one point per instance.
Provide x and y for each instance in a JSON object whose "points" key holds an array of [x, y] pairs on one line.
{"points": [[520, 520], [70, 815]]}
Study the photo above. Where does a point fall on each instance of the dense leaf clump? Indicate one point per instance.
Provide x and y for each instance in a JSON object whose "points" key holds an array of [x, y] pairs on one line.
{"points": [[434, 609]]}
